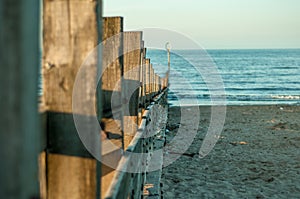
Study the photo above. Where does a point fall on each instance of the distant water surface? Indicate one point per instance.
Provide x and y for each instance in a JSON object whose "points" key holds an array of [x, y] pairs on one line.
{"points": [[249, 76]]}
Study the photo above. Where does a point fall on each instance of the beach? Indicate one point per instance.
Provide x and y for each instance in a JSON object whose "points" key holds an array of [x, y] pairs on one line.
{"points": [[257, 155]]}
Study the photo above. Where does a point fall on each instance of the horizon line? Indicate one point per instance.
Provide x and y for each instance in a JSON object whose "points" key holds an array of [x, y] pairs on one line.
{"points": [[290, 48]]}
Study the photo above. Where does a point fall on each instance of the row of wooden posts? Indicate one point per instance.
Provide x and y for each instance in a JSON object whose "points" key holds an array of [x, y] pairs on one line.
{"points": [[124, 109], [42, 155]]}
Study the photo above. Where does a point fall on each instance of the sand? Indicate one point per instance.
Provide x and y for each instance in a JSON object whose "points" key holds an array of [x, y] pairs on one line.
{"points": [[256, 156]]}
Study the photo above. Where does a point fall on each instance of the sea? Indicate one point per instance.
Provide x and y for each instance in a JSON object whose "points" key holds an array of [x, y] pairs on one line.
{"points": [[230, 77]]}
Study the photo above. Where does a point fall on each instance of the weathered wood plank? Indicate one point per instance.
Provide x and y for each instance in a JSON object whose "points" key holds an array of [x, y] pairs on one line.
{"points": [[131, 83], [71, 31], [43, 174], [19, 65], [159, 84], [152, 81], [112, 72], [144, 86], [66, 45], [148, 84], [156, 84], [141, 91], [112, 64], [112, 142], [129, 184]]}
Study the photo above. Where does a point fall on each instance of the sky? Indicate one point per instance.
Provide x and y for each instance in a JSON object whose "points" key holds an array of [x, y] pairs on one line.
{"points": [[216, 24]]}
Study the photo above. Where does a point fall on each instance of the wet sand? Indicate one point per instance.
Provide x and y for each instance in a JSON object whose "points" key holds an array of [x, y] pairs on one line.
{"points": [[256, 156]]}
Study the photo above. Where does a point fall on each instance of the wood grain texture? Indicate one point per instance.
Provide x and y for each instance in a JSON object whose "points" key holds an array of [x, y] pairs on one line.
{"points": [[131, 83], [71, 177], [112, 73], [141, 80], [147, 83], [111, 97], [70, 33], [112, 63]]}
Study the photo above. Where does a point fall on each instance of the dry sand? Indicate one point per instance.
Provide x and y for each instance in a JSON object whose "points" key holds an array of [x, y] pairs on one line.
{"points": [[257, 155]]}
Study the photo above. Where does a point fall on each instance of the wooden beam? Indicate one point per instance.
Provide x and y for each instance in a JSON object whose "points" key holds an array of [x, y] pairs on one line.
{"points": [[131, 83], [144, 72], [142, 88], [112, 78], [112, 64], [19, 61], [112, 140], [152, 84], [71, 31], [148, 86]]}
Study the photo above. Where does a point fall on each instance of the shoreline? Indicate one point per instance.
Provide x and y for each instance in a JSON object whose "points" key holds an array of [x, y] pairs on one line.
{"points": [[256, 156], [228, 105]]}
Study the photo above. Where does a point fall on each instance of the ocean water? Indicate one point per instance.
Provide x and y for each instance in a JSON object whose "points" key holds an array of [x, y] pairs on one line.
{"points": [[234, 77]]}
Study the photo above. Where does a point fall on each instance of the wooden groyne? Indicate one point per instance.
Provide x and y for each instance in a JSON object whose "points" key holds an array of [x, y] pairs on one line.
{"points": [[43, 155], [140, 89]]}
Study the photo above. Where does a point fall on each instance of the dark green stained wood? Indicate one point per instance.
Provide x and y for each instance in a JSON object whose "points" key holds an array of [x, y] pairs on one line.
{"points": [[19, 65]]}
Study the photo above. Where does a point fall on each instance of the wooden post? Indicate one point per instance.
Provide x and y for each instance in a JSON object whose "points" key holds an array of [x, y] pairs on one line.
{"points": [[144, 72], [141, 92], [112, 76], [19, 64], [156, 83], [159, 83], [71, 30], [112, 65], [148, 86], [131, 83], [152, 81], [112, 104], [168, 48]]}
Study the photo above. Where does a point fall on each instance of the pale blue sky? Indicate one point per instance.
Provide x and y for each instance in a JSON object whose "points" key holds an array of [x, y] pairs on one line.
{"points": [[216, 23]]}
